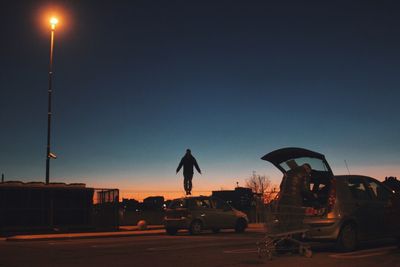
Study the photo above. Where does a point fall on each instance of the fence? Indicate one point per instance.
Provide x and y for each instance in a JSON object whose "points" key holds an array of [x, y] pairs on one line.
{"points": [[105, 208]]}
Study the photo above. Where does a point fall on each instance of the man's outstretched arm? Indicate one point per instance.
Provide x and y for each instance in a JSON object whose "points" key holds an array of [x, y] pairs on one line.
{"points": [[197, 166], [179, 166]]}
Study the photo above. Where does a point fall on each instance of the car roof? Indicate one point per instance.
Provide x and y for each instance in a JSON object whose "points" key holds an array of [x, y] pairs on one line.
{"points": [[193, 197], [354, 176], [363, 177]]}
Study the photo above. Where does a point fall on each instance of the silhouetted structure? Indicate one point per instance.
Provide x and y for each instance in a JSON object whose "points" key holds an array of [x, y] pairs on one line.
{"points": [[35, 205], [188, 161], [151, 210]]}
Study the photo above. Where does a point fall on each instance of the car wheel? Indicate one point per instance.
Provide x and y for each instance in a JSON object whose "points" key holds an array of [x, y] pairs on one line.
{"points": [[347, 240], [240, 226], [196, 227], [216, 230], [171, 231]]}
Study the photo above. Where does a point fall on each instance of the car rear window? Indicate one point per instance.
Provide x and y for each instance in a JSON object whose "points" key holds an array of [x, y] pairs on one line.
{"points": [[201, 203], [178, 203], [315, 164]]}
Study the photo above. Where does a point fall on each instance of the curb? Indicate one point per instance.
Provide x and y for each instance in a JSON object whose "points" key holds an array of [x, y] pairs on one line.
{"points": [[19, 238], [152, 230]]}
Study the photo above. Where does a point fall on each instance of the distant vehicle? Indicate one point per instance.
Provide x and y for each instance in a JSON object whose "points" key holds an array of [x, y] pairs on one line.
{"points": [[342, 208], [203, 213], [392, 183]]}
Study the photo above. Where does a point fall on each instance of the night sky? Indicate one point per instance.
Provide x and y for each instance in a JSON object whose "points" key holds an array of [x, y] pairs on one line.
{"points": [[138, 82]]}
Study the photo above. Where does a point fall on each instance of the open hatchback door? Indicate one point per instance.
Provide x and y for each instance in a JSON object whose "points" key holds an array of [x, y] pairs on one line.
{"points": [[285, 158], [321, 180]]}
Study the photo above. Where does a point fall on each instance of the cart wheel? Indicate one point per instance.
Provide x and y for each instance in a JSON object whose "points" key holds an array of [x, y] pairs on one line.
{"points": [[301, 250], [260, 250], [269, 255], [308, 253]]}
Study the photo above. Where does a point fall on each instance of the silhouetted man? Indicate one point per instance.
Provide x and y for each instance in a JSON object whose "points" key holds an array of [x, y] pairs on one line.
{"points": [[188, 161], [295, 185]]}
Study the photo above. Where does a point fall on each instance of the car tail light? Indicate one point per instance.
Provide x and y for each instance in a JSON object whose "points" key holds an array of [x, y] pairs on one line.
{"points": [[332, 195], [310, 211]]}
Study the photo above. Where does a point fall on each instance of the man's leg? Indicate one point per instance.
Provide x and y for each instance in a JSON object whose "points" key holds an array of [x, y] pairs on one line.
{"points": [[185, 184], [188, 183]]}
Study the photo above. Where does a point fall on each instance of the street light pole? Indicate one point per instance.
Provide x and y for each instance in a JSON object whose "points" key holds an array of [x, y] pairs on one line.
{"points": [[53, 22]]}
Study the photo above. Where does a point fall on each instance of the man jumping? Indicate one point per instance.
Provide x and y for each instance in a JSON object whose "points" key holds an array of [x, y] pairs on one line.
{"points": [[188, 161]]}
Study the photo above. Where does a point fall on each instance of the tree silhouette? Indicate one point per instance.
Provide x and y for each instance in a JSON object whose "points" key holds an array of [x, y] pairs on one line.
{"points": [[262, 186]]}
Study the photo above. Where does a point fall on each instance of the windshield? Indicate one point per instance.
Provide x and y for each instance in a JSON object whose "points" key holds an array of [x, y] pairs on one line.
{"points": [[316, 164]]}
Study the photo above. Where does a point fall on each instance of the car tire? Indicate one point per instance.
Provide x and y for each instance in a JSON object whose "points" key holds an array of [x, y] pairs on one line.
{"points": [[240, 226], [171, 231], [216, 230], [195, 227], [347, 240]]}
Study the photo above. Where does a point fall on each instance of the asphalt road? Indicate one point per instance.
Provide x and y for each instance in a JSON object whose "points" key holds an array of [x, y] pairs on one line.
{"points": [[223, 249]]}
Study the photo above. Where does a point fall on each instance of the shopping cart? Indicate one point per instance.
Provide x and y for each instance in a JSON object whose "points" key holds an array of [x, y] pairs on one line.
{"points": [[284, 228]]}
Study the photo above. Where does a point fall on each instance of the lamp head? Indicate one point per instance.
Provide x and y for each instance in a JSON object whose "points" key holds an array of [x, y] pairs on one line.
{"points": [[53, 22]]}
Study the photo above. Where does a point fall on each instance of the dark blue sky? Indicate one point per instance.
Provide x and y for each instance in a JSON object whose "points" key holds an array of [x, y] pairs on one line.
{"points": [[138, 82]]}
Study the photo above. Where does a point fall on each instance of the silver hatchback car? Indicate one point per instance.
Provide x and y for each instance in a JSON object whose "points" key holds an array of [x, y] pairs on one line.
{"points": [[199, 213], [341, 208]]}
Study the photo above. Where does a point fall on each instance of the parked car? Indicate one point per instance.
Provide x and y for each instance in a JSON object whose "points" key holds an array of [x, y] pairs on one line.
{"points": [[346, 209], [200, 213]]}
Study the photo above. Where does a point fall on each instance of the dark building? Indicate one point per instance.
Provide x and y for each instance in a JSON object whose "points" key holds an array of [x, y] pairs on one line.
{"points": [[129, 204], [36, 205], [153, 203], [241, 198], [25, 207]]}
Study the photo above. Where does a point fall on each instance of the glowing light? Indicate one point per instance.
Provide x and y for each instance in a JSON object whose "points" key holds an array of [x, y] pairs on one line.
{"points": [[53, 22]]}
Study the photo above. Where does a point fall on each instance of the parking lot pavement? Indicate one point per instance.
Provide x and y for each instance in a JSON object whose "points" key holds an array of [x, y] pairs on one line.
{"points": [[224, 249], [366, 253]]}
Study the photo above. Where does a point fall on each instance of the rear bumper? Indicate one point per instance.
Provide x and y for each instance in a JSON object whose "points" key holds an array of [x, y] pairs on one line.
{"points": [[323, 229]]}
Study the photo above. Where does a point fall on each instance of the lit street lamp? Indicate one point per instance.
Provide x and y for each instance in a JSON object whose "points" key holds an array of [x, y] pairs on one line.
{"points": [[49, 155]]}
